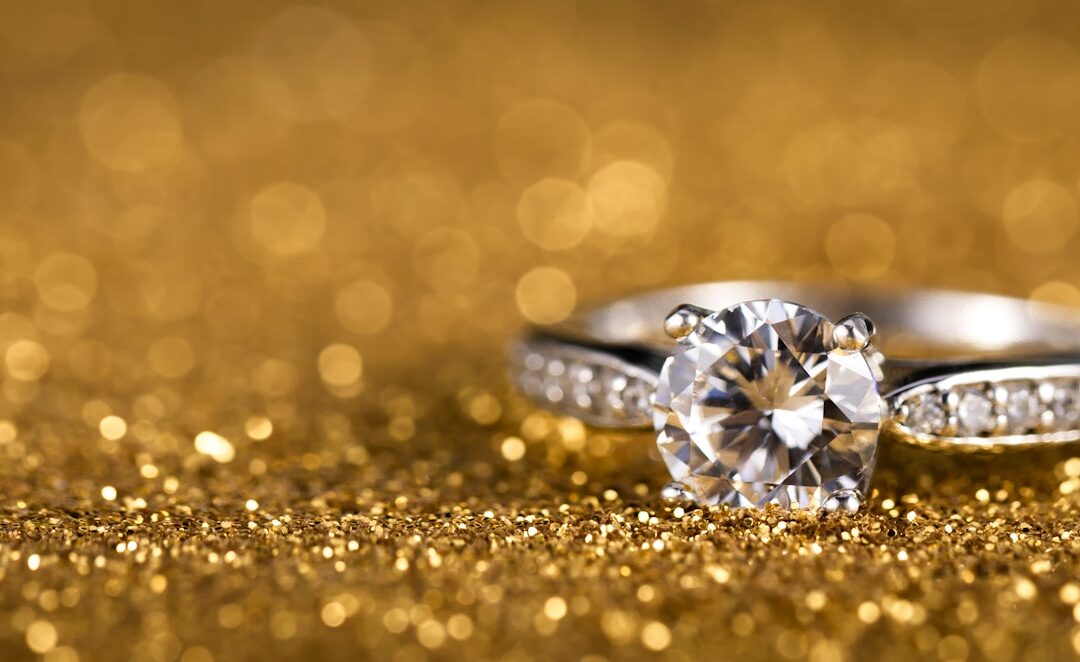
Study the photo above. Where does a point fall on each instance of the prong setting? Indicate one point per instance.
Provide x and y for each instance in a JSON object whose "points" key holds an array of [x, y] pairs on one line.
{"points": [[854, 333], [681, 322], [843, 501], [676, 492]]}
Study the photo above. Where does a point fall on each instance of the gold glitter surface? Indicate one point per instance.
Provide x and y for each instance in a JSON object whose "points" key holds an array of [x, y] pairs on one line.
{"points": [[259, 263]]}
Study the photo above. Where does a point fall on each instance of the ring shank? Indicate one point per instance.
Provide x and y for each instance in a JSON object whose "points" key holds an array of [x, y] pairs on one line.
{"points": [[971, 323]]}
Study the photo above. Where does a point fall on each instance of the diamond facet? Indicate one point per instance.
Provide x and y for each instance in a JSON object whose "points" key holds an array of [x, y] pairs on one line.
{"points": [[1022, 408], [758, 407], [927, 414], [975, 412], [1066, 406]]}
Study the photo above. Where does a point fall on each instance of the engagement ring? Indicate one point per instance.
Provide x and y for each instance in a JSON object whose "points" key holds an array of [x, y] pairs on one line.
{"points": [[759, 400]]}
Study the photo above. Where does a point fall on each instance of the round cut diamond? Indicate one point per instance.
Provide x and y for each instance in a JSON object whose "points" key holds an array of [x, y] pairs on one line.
{"points": [[928, 414], [1022, 409], [757, 407], [975, 411], [1066, 406]]}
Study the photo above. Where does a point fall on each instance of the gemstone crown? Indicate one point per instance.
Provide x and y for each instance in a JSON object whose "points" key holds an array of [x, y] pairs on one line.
{"points": [[759, 406]]}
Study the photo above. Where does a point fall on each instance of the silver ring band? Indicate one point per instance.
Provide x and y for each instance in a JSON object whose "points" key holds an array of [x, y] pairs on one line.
{"points": [[958, 370]]}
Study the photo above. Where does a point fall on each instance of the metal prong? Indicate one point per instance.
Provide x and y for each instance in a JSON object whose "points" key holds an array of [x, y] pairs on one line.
{"points": [[845, 501], [676, 491], [853, 333], [682, 321]]}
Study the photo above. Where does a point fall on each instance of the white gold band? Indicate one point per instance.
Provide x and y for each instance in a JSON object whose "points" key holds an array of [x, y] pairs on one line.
{"points": [[961, 370]]}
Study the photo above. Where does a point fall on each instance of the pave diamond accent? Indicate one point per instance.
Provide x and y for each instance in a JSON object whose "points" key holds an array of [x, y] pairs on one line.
{"points": [[1021, 408], [975, 411], [928, 415], [757, 408], [1015, 410], [1065, 405], [576, 382]]}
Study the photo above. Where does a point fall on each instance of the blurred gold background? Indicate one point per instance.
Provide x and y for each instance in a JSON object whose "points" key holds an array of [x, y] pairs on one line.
{"points": [[259, 263]]}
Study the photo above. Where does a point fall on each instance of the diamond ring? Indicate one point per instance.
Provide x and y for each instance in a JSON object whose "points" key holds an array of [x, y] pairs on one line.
{"points": [[759, 400]]}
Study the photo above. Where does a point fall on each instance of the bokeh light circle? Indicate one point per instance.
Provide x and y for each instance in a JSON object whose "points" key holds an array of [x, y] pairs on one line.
{"points": [[541, 138], [130, 123], [628, 198], [861, 246], [1040, 216], [554, 213], [312, 64], [546, 295], [340, 365], [1028, 86], [363, 306], [66, 281], [287, 218]]}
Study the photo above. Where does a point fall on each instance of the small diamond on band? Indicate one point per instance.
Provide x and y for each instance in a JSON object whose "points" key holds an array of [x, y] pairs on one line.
{"points": [[598, 393], [1027, 407]]}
